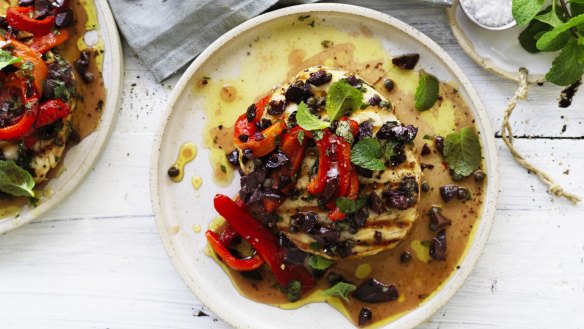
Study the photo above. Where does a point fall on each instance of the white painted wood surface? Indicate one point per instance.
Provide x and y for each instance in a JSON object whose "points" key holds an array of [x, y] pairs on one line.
{"points": [[97, 260]]}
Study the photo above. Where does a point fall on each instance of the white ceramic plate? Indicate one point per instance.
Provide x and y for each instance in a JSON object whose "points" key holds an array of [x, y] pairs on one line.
{"points": [[81, 158], [179, 207], [497, 51]]}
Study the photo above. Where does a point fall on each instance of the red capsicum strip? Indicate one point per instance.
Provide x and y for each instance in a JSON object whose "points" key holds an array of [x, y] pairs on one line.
{"points": [[263, 241], [20, 18], [51, 111], [318, 182], [336, 214], [248, 264], [39, 71], [265, 145], [49, 41], [294, 150], [26, 123], [343, 152]]}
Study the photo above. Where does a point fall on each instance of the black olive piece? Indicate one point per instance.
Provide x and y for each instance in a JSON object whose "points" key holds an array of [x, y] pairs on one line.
{"points": [[284, 181], [56, 3], [463, 194], [82, 67], [365, 316], [365, 129], [353, 81], [479, 176], [448, 192], [329, 235], [243, 138], [405, 257], [386, 130], [407, 61], [251, 182], [388, 84], [426, 149], [246, 155], [376, 203], [233, 158], [250, 114], [398, 201], [263, 124], [319, 78], [277, 160], [173, 171], [437, 220], [294, 256], [25, 3], [378, 237], [276, 107], [375, 100], [294, 94], [74, 137], [332, 184], [438, 246], [292, 120], [64, 19], [373, 291], [425, 186], [439, 143]]}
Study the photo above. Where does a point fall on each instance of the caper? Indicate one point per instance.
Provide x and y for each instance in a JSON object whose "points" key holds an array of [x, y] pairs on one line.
{"points": [[173, 171], [425, 186], [463, 194], [479, 176], [388, 84]]}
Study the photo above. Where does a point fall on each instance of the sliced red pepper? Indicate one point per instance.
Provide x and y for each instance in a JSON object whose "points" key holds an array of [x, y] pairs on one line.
{"points": [[263, 241], [318, 182], [267, 142], [228, 235], [21, 19], [344, 165], [294, 150], [336, 214], [49, 41], [51, 111], [39, 69], [248, 264], [26, 122]]}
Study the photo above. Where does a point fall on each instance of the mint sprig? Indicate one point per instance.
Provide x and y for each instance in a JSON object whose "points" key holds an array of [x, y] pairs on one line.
{"points": [[555, 28], [367, 153], [14, 180], [426, 92], [462, 152]]}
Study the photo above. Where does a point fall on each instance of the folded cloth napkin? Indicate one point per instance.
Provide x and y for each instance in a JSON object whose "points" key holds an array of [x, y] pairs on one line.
{"points": [[168, 34]]}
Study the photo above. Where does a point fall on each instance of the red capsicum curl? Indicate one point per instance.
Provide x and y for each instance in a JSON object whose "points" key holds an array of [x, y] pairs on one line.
{"points": [[246, 133], [318, 182], [49, 41], [51, 111], [21, 19], [294, 150], [25, 123], [248, 264], [39, 69], [263, 241]]}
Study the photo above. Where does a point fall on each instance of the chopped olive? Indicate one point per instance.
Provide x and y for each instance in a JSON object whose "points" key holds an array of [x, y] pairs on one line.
{"points": [[173, 171], [388, 84], [405, 257], [448, 192], [438, 246], [437, 220], [439, 143], [376, 203], [319, 78], [276, 107], [250, 114], [407, 62], [426, 149], [463, 194], [479, 176], [233, 157], [243, 138], [365, 316], [373, 291]]}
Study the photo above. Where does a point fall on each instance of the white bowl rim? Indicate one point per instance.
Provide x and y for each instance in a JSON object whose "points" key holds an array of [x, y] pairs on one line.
{"points": [[454, 282]]}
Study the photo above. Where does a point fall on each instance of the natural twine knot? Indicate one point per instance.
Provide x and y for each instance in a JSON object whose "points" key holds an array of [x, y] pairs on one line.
{"points": [[507, 135]]}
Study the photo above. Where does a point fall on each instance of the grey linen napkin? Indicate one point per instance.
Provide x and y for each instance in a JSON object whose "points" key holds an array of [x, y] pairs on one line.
{"points": [[167, 34]]}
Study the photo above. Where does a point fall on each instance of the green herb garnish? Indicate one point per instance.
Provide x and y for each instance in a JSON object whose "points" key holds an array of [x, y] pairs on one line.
{"points": [[342, 99], [462, 151], [367, 154], [319, 263], [294, 290], [348, 206], [427, 91], [309, 121], [14, 180], [6, 59], [341, 289]]}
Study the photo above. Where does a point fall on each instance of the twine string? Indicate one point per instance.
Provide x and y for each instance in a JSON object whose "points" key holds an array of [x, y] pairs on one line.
{"points": [[507, 136]]}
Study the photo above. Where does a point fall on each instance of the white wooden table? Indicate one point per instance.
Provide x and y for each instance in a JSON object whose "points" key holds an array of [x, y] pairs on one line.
{"points": [[97, 261]]}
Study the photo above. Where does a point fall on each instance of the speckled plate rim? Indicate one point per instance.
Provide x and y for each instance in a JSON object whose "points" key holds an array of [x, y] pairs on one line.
{"points": [[485, 63], [114, 70], [437, 300]]}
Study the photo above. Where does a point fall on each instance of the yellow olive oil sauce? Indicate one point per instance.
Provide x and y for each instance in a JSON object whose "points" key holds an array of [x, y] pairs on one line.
{"points": [[273, 58], [91, 101], [186, 154]]}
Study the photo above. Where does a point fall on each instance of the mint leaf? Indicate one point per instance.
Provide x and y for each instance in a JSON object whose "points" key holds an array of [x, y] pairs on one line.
{"points": [[307, 120], [528, 37], [342, 98], [462, 151], [348, 206], [568, 67], [367, 154], [344, 130], [549, 40], [551, 16], [319, 263], [525, 10], [15, 180], [6, 59], [577, 7], [341, 289], [427, 91]]}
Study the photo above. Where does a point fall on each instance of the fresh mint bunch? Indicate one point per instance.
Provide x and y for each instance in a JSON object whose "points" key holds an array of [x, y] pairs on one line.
{"points": [[558, 27]]}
